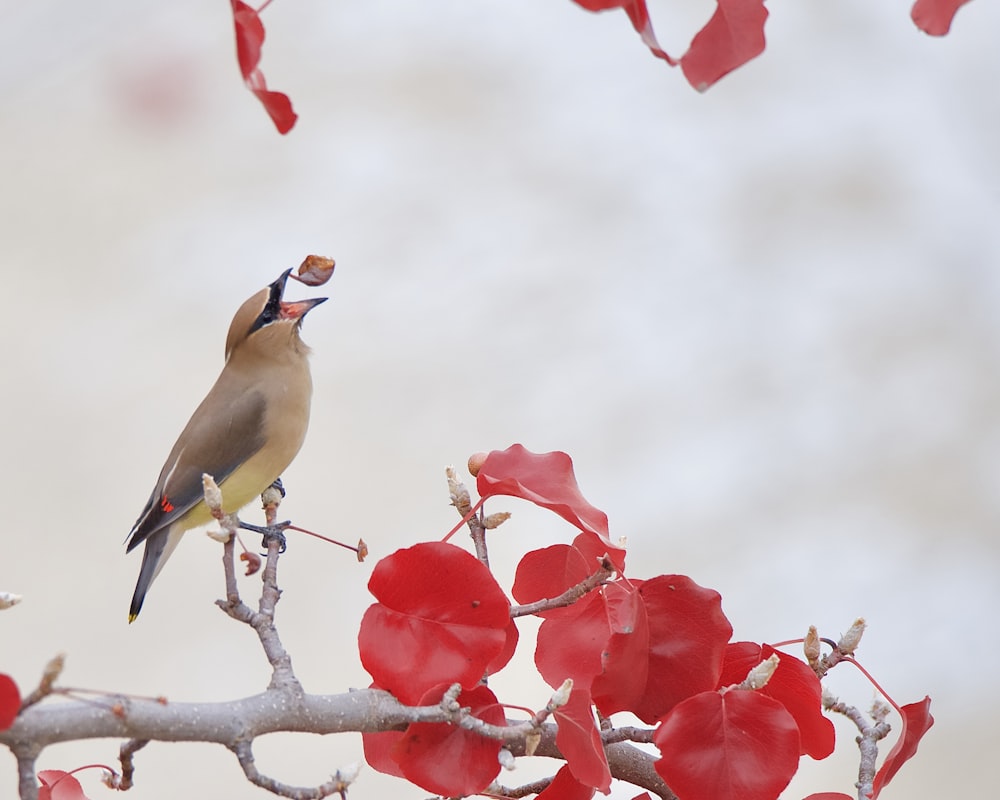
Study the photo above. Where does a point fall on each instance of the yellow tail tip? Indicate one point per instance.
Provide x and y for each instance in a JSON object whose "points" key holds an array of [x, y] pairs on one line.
{"points": [[132, 618]]}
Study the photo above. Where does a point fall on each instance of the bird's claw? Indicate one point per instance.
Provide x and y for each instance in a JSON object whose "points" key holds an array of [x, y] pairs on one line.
{"points": [[269, 532]]}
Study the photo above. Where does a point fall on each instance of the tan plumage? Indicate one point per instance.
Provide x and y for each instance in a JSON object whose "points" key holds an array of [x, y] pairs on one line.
{"points": [[244, 434]]}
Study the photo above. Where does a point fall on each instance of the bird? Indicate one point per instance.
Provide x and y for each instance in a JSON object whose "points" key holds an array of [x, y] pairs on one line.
{"points": [[244, 434]]}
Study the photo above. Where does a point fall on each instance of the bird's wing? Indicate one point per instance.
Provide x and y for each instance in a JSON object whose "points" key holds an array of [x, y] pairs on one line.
{"points": [[215, 443]]}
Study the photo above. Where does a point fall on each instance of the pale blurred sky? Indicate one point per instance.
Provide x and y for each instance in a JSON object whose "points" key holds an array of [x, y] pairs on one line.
{"points": [[764, 321]]}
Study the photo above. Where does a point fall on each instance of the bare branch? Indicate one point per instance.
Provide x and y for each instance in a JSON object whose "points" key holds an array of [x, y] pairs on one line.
{"points": [[871, 733]]}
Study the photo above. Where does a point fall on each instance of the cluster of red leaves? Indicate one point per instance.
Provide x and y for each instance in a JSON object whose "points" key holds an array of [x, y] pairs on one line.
{"points": [[658, 648], [733, 35]]}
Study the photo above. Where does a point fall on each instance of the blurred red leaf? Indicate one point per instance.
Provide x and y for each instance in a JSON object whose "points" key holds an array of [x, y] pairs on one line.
{"points": [[249, 37], [249, 41], [733, 36], [794, 685], [565, 787], [638, 15], [10, 701], [934, 17], [736, 745], [549, 572], [440, 618], [687, 638], [448, 760], [547, 480], [59, 785], [579, 740], [917, 720], [570, 647]]}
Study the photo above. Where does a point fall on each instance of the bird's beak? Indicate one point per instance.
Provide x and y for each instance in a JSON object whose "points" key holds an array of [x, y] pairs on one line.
{"points": [[298, 309]]}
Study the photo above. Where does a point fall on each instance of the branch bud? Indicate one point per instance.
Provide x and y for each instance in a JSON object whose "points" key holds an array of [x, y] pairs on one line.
{"points": [[213, 495], [531, 742], [849, 641], [8, 599], [347, 775], [761, 674], [496, 520], [506, 759], [52, 672], [811, 646], [475, 462], [271, 496], [457, 491], [561, 695]]}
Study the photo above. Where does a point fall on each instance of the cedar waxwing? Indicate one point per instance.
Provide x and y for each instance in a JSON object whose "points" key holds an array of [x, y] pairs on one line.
{"points": [[244, 434]]}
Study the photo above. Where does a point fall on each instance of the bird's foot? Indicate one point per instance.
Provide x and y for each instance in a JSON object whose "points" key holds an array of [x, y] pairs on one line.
{"points": [[270, 532]]}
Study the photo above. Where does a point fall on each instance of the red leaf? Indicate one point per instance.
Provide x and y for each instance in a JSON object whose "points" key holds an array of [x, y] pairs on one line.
{"points": [[739, 745], [547, 480], [917, 720], [441, 618], [733, 36], [625, 659], [546, 573], [794, 685], [277, 105], [59, 785], [509, 646], [687, 638], [378, 749], [10, 701], [570, 647], [935, 16], [249, 37], [249, 41], [565, 787], [579, 741], [829, 796], [448, 760], [638, 15]]}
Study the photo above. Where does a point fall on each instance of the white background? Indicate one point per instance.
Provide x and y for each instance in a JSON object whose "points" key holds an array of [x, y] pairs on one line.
{"points": [[763, 320]]}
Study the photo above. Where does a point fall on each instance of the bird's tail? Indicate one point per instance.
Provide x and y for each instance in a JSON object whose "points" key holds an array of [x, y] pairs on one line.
{"points": [[159, 546]]}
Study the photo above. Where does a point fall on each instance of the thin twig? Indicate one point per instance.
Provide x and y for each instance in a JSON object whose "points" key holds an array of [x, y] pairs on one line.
{"points": [[125, 754], [871, 734], [498, 790], [570, 596], [337, 784]]}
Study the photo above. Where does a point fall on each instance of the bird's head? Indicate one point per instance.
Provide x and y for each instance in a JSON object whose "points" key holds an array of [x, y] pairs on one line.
{"points": [[268, 322]]}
